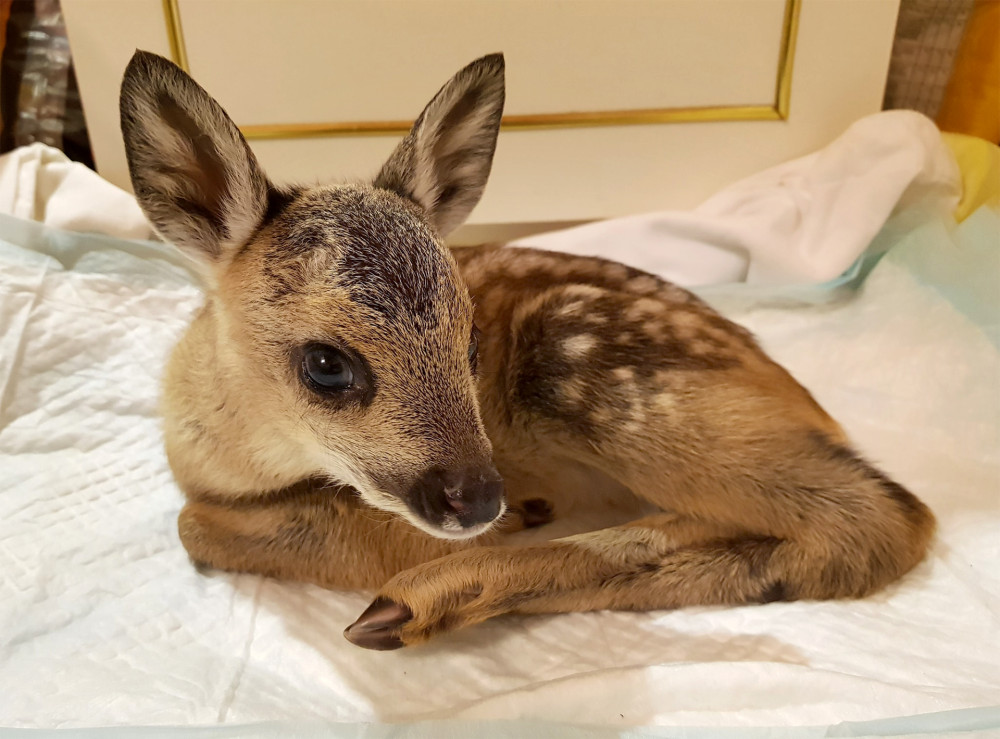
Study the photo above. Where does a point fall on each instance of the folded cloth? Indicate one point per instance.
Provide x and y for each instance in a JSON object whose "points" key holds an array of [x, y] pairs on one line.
{"points": [[806, 220], [40, 183]]}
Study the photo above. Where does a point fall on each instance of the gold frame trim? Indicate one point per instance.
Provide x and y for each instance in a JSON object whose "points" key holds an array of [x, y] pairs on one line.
{"points": [[777, 110], [175, 34]]}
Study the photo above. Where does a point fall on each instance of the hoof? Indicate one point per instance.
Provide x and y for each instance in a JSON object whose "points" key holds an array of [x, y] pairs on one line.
{"points": [[375, 628], [536, 512]]}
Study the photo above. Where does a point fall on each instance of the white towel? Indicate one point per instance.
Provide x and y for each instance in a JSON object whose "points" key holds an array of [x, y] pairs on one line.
{"points": [[40, 183], [806, 220]]}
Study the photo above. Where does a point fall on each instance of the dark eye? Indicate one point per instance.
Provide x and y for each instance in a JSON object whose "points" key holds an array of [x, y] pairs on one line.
{"points": [[327, 368], [474, 348]]}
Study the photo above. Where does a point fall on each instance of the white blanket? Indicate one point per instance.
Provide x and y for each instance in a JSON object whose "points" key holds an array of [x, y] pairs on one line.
{"points": [[103, 620], [40, 183], [803, 221]]}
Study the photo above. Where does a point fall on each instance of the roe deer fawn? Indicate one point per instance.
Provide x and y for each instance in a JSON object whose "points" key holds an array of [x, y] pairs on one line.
{"points": [[479, 431]]}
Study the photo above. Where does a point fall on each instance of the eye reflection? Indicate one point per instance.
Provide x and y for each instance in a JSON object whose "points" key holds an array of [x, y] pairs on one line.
{"points": [[327, 368]]}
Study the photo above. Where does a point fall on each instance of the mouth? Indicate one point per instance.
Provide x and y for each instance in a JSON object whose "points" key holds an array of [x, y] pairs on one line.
{"points": [[451, 528], [441, 525]]}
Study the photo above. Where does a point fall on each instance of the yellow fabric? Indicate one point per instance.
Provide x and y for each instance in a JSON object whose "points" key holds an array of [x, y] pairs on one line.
{"points": [[979, 161], [971, 101]]}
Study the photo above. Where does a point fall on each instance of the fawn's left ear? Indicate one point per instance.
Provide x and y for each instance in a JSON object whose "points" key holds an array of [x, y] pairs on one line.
{"points": [[195, 177], [444, 162]]}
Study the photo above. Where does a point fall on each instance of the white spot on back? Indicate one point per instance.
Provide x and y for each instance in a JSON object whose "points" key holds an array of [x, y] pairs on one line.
{"points": [[700, 346], [643, 285], [664, 402], [686, 324], [583, 291], [625, 374], [645, 308], [656, 330], [578, 346], [570, 309]]}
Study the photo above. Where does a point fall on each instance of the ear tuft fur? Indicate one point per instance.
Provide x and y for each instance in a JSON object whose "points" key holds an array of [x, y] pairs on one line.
{"points": [[443, 163], [193, 173]]}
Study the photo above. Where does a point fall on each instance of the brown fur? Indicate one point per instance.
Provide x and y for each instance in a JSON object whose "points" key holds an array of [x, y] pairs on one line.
{"points": [[670, 459]]}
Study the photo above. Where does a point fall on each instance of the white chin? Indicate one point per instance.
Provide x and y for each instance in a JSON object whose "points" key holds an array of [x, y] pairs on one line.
{"points": [[449, 529]]}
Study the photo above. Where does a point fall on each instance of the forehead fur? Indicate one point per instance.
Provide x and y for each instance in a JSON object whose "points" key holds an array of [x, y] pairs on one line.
{"points": [[370, 245]]}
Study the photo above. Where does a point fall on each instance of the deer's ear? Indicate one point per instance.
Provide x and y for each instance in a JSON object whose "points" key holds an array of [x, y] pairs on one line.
{"points": [[193, 173], [444, 162]]}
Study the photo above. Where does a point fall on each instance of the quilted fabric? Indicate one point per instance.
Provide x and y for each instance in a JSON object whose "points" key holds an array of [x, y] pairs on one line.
{"points": [[103, 620]]}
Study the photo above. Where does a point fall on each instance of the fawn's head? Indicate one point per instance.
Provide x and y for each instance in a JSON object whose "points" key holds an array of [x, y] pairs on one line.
{"points": [[340, 318]]}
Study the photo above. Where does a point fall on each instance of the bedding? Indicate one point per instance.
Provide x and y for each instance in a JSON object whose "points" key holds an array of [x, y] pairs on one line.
{"points": [[104, 622], [803, 221]]}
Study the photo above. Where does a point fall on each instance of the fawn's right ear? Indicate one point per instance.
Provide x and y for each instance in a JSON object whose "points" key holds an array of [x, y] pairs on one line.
{"points": [[195, 177]]}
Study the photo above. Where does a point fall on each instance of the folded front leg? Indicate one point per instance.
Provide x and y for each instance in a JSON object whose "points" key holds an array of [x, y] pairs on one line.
{"points": [[313, 533], [661, 561]]}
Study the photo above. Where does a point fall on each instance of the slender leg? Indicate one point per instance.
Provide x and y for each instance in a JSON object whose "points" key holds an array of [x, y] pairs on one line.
{"points": [[661, 561], [313, 534], [832, 528]]}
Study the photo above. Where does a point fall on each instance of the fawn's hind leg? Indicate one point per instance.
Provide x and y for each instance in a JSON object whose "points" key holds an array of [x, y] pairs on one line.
{"points": [[845, 539]]}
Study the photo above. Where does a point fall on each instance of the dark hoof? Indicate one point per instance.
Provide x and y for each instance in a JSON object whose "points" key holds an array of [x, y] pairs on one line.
{"points": [[374, 627], [202, 568], [536, 512]]}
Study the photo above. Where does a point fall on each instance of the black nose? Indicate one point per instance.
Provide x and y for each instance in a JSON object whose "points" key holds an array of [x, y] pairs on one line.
{"points": [[465, 495]]}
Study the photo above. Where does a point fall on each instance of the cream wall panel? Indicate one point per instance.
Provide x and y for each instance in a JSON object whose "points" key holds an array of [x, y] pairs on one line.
{"points": [[561, 174], [103, 34], [344, 60]]}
